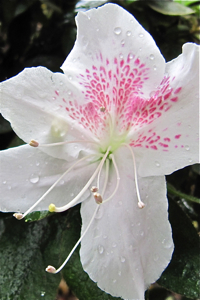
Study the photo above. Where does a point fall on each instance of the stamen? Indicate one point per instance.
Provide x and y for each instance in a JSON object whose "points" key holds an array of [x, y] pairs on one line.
{"points": [[51, 188], [98, 198], [118, 178], [51, 269], [75, 200], [102, 109], [34, 143], [18, 216], [94, 189], [140, 203]]}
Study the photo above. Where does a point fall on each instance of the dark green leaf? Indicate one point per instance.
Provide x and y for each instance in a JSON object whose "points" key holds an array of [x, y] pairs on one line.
{"points": [[182, 274], [171, 190], [38, 215]]}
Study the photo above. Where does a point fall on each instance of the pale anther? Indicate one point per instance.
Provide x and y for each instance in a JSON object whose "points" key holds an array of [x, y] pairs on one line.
{"points": [[98, 198], [34, 143], [18, 216], [50, 269], [94, 189], [141, 204]]}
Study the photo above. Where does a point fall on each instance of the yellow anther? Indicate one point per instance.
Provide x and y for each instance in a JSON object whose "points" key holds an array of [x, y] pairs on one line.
{"points": [[52, 207]]}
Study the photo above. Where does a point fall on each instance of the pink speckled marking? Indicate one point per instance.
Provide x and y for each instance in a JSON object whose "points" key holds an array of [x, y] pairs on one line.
{"points": [[117, 87]]}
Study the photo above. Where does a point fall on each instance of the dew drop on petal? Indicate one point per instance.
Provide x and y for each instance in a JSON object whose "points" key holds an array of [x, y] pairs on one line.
{"points": [[123, 42], [130, 56], [141, 35], [120, 203], [157, 164], [122, 258], [61, 83], [119, 273], [128, 33], [4, 182], [34, 178], [151, 56], [117, 30], [190, 160], [114, 280], [69, 77], [156, 257], [100, 249], [42, 294], [121, 56], [114, 245], [187, 147], [105, 236], [154, 68]]}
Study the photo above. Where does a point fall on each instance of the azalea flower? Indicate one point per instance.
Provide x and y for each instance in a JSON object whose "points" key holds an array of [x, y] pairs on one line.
{"points": [[105, 133]]}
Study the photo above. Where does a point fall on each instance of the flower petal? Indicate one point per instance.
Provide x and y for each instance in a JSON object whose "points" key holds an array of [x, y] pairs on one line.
{"points": [[127, 248], [38, 103], [27, 173], [112, 51], [170, 141]]}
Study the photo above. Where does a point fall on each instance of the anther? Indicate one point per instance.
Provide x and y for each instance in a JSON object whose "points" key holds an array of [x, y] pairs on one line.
{"points": [[94, 189], [18, 216], [141, 204], [102, 109], [52, 207], [34, 143], [50, 269], [98, 198]]}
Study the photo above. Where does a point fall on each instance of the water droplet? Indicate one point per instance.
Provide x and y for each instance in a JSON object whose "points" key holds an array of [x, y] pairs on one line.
{"points": [[187, 147], [69, 77], [119, 273], [128, 33], [72, 194], [61, 83], [157, 164], [114, 245], [154, 68], [190, 160], [37, 164], [120, 203], [114, 280], [121, 56], [151, 56], [138, 224], [123, 42], [42, 294], [130, 56], [117, 30], [122, 259], [34, 178], [97, 29], [142, 233], [62, 182], [4, 182], [100, 249], [105, 236], [141, 35]]}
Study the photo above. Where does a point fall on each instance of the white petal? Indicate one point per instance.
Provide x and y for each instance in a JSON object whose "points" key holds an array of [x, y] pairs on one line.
{"points": [[127, 248], [40, 106], [171, 141], [110, 46], [27, 173]]}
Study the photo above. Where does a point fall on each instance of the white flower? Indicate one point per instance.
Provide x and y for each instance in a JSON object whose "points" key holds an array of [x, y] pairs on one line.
{"points": [[118, 109]]}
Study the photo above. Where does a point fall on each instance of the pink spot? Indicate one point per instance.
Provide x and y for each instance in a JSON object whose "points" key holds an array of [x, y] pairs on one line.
{"points": [[87, 71], [57, 93], [175, 99], [176, 146], [153, 147], [167, 139], [167, 95], [137, 62], [121, 63], [107, 62], [179, 124], [177, 136], [177, 90], [163, 145], [94, 68]]}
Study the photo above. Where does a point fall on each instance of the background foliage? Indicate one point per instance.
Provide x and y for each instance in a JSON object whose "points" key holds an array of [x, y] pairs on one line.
{"points": [[34, 33]]}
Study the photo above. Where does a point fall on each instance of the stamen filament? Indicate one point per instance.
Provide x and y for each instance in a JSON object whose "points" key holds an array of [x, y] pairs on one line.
{"points": [[34, 143], [118, 179], [73, 201], [51, 269], [55, 183], [140, 203], [106, 177]]}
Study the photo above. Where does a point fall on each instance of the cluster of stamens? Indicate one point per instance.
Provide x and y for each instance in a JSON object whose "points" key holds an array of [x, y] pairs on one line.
{"points": [[105, 159]]}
